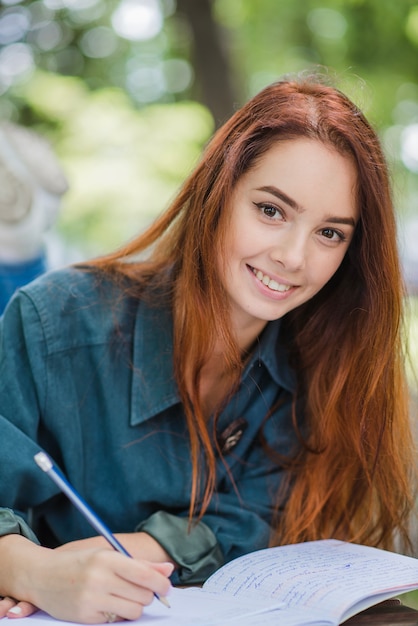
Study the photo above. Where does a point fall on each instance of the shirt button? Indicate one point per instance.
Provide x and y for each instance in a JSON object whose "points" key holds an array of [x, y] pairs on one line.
{"points": [[229, 438]]}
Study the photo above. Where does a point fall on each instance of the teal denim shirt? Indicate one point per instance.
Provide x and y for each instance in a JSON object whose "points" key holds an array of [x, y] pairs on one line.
{"points": [[86, 374]]}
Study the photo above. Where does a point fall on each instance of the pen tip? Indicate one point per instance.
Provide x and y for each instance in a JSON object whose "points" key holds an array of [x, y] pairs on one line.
{"points": [[164, 601]]}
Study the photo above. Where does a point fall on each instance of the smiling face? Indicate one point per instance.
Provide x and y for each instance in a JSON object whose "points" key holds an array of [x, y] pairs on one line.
{"points": [[292, 219]]}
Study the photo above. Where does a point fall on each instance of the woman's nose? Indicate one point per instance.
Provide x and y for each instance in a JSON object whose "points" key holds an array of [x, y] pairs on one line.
{"points": [[291, 250]]}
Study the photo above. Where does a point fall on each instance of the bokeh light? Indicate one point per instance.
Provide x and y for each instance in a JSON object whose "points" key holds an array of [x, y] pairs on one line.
{"points": [[138, 20], [99, 42], [409, 147], [327, 23]]}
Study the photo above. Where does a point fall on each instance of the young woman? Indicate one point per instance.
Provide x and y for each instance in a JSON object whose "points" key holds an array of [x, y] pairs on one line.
{"points": [[240, 384]]}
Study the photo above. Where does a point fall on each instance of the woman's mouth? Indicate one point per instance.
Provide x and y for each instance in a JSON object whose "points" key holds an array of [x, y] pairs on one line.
{"points": [[269, 282]]}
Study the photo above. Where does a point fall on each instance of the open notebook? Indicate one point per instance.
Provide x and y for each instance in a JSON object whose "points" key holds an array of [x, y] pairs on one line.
{"points": [[319, 583]]}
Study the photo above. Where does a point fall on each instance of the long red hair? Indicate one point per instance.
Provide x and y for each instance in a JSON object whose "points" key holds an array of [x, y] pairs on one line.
{"points": [[352, 478]]}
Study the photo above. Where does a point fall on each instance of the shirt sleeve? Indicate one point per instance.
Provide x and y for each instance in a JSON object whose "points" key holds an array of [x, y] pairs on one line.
{"points": [[22, 485], [194, 548], [13, 524]]}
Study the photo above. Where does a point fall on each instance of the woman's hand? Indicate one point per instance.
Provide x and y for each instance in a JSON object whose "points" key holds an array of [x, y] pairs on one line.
{"points": [[139, 545], [80, 585]]}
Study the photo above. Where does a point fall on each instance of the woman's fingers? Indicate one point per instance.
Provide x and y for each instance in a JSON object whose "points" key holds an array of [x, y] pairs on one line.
{"points": [[9, 607], [165, 568], [144, 575], [21, 609], [6, 604], [135, 586]]}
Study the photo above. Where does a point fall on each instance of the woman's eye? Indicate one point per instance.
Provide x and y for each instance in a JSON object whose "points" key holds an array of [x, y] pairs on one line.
{"points": [[332, 234], [269, 210]]}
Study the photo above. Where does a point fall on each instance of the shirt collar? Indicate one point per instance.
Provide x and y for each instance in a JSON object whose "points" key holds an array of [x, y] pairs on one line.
{"points": [[272, 352], [154, 388]]}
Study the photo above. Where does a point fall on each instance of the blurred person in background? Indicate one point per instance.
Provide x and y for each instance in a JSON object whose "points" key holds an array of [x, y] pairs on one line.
{"points": [[31, 186]]}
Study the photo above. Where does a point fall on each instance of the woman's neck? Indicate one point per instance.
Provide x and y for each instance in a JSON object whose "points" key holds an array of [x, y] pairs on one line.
{"points": [[247, 335], [215, 383], [218, 377]]}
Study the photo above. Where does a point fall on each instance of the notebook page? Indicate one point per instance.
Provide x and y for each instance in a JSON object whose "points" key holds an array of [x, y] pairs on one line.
{"points": [[188, 607], [330, 575], [196, 607]]}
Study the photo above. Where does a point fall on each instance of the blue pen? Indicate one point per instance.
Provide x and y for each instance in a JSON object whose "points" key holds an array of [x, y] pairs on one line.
{"points": [[59, 479]]}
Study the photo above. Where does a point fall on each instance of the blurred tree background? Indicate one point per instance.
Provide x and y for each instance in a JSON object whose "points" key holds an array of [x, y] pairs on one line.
{"points": [[129, 91]]}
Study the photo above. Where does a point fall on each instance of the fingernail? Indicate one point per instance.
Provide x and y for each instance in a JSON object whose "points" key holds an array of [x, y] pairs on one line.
{"points": [[16, 610]]}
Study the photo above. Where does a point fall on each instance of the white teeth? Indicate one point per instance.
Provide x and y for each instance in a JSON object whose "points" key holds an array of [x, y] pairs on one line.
{"points": [[269, 282]]}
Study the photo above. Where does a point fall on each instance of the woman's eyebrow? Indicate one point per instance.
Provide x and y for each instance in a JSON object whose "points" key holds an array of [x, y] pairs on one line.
{"points": [[281, 195], [349, 221]]}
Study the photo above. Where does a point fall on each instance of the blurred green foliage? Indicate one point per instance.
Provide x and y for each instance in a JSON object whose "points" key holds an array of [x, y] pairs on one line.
{"points": [[124, 165], [410, 599], [114, 86]]}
